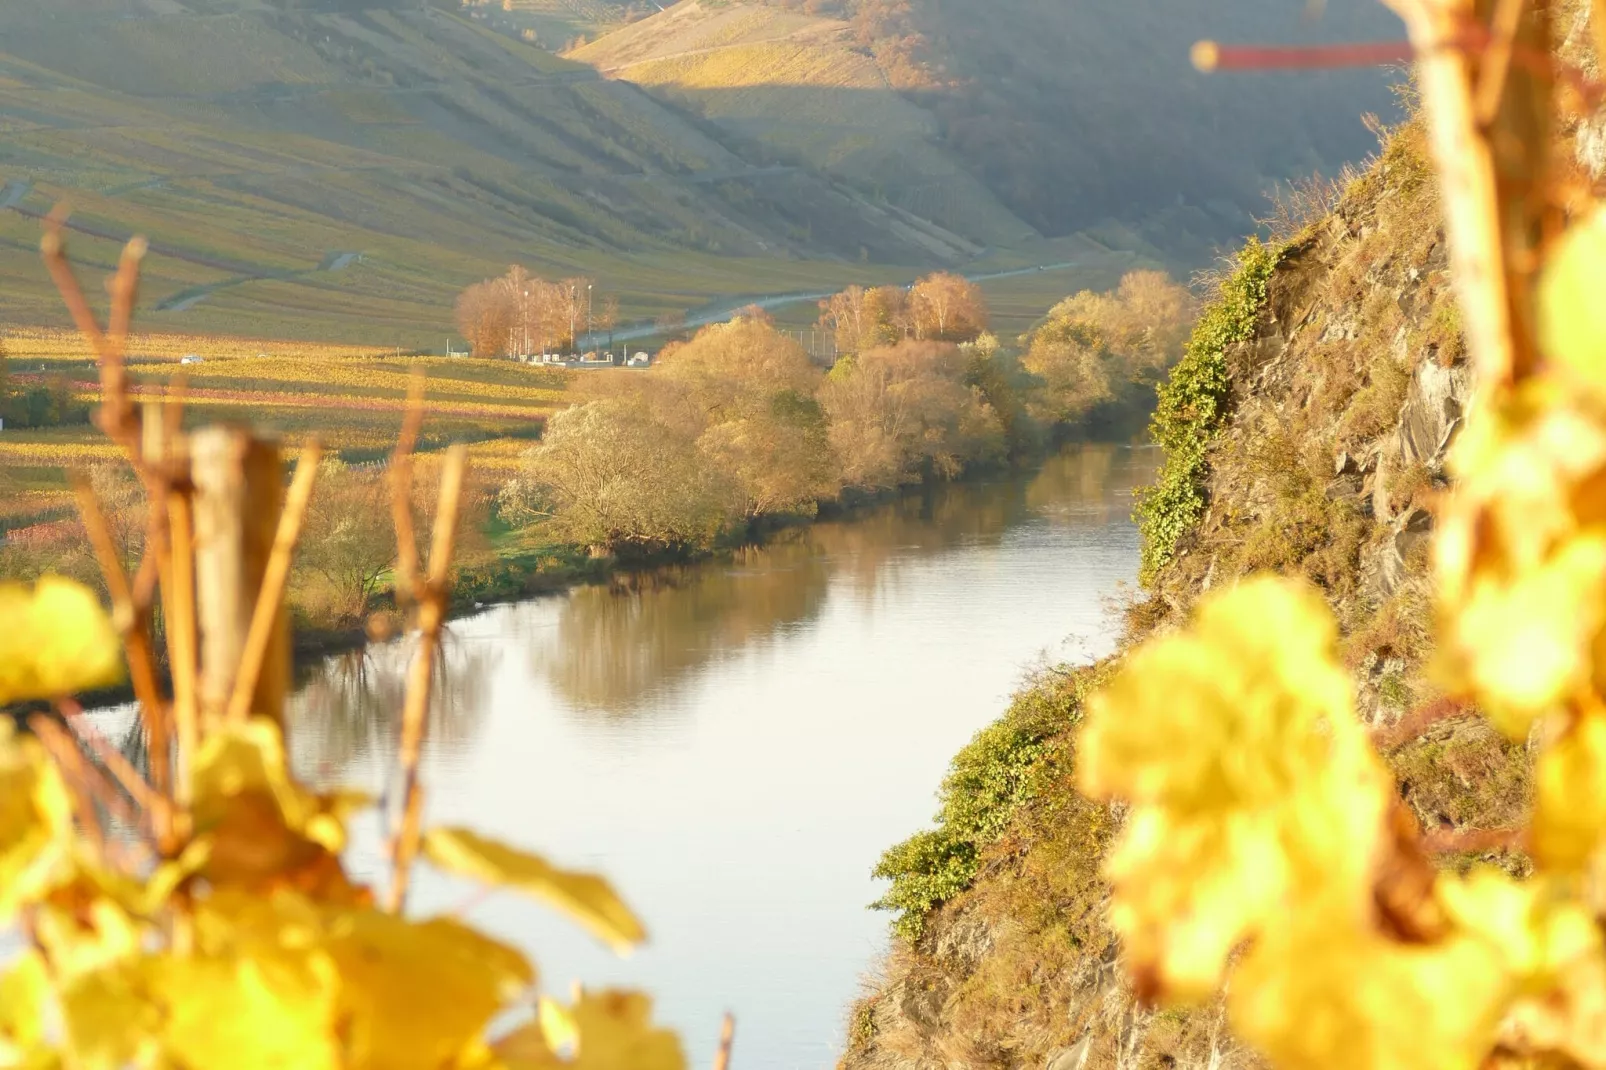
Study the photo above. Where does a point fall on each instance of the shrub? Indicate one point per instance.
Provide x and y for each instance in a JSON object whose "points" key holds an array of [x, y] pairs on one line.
{"points": [[997, 772], [1193, 405]]}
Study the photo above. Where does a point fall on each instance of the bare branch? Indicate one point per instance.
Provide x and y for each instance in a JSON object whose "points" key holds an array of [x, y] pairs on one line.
{"points": [[431, 615], [133, 623], [276, 575], [401, 491]]}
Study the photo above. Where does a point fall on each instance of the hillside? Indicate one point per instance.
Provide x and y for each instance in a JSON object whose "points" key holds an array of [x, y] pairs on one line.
{"points": [[796, 85], [341, 170], [1064, 117], [1335, 364]]}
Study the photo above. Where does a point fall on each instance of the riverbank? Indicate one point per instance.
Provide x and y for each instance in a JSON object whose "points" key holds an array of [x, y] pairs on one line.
{"points": [[552, 569]]}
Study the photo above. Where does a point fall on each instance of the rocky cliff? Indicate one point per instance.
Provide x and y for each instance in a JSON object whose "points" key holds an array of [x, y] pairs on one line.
{"points": [[1306, 431]]}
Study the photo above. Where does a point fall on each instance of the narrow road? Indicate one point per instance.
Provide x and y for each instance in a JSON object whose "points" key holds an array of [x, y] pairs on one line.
{"points": [[721, 310]]}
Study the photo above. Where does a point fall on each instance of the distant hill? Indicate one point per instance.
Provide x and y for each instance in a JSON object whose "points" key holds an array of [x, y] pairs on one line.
{"points": [[1071, 114], [342, 168]]}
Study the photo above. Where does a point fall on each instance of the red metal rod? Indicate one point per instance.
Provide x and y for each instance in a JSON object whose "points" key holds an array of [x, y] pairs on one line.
{"points": [[1210, 56]]}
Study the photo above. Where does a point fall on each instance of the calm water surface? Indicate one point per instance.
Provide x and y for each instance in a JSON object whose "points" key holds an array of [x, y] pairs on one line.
{"points": [[735, 744]]}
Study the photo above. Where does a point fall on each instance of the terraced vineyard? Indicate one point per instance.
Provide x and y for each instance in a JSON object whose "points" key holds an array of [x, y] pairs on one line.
{"points": [[350, 397], [341, 175]]}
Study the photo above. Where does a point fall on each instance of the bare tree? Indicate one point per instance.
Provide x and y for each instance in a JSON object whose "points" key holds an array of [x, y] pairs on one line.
{"points": [[947, 308]]}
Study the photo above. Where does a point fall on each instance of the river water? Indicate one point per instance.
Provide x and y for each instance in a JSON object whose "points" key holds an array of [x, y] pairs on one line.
{"points": [[735, 744]]}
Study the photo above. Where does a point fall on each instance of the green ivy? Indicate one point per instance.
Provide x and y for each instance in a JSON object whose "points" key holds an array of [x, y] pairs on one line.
{"points": [[1193, 406], [998, 772]]}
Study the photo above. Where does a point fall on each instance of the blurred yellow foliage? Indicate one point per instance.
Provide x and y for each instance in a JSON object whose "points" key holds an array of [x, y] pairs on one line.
{"points": [[56, 641], [1264, 850], [1275, 789]]}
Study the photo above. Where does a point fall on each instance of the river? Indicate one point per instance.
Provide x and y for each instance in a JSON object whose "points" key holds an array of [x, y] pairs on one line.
{"points": [[734, 744]]}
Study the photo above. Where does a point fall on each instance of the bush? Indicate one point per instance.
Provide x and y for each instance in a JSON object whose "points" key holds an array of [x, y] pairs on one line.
{"points": [[1193, 406], [997, 773]]}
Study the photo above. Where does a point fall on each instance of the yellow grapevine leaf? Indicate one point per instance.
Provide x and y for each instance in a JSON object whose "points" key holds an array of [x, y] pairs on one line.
{"points": [[525, 1048], [1570, 789], [416, 994], [1525, 641], [35, 821], [262, 828], [1320, 996], [1250, 780], [1536, 930], [84, 931], [110, 1022], [272, 1012], [25, 1001], [616, 1033], [558, 1026], [583, 896], [541, 1044], [1572, 317], [57, 641]]}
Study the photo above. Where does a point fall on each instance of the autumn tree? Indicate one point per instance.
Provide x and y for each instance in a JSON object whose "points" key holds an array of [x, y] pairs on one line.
{"points": [[615, 476], [753, 388], [947, 308], [523, 313], [903, 413], [1107, 350], [348, 544], [731, 366], [486, 317], [861, 319]]}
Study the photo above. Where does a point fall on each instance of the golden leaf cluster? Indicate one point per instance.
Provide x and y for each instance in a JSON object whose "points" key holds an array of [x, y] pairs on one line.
{"points": [[254, 948], [1265, 850]]}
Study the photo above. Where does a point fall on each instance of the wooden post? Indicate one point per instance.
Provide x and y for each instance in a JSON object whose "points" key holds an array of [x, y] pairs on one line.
{"points": [[239, 492], [727, 1033]]}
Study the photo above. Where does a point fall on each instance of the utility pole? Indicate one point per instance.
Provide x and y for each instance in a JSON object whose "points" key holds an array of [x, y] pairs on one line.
{"points": [[574, 343], [588, 313]]}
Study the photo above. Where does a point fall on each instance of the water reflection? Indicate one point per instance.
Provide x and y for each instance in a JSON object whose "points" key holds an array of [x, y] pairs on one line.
{"points": [[617, 647], [735, 744], [351, 706]]}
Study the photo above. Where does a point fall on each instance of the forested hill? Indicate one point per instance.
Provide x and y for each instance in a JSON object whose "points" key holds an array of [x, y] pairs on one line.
{"points": [[1071, 113]]}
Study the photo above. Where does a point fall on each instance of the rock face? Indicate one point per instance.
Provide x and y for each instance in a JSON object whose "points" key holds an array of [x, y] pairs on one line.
{"points": [[1343, 408]]}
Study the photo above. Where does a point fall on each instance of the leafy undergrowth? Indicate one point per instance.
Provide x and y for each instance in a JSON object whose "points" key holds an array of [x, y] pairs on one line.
{"points": [[1000, 771]]}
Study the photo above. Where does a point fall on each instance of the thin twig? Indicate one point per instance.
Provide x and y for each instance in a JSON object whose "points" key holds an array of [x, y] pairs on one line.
{"points": [[727, 1034], [178, 598], [113, 762], [431, 615], [270, 597], [1414, 723], [1496, 63], [116, 417], [401, 492], [75, 771], [1472, 841], [125, 291], [133, 624]]}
